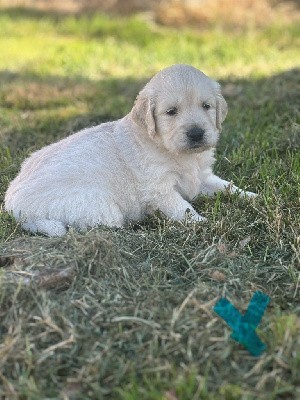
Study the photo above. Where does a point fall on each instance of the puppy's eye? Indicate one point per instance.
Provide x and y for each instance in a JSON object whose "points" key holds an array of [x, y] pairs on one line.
{"points": [[206, 106], [172, 111]]}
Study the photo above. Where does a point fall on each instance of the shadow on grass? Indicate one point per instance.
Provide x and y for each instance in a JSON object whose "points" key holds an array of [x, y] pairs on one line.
{"points": [[261, 123], [37, 110]]}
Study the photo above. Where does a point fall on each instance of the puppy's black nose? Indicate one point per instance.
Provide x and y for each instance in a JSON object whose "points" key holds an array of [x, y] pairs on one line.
{"points": [[195, 134]]}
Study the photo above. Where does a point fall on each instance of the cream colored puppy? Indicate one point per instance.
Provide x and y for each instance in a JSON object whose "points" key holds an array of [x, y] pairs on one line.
{"points": [[159, 156]]}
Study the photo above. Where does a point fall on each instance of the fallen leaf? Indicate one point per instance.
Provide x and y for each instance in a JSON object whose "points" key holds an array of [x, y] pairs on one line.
{"points": [[222, 248], [231, 90], [170, 395], [218, 276], [244, 242]]}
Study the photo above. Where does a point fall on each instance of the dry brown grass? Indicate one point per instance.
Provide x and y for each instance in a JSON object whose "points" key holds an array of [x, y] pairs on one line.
{"points": [[137, 304], [71, 6], [237, 13]]}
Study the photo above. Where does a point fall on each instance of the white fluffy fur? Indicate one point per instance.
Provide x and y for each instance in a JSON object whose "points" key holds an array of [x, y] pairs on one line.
{"points": [[120, 171]]}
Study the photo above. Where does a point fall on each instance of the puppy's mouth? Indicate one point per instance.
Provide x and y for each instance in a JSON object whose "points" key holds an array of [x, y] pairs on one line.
{"points": [[198, 146]]}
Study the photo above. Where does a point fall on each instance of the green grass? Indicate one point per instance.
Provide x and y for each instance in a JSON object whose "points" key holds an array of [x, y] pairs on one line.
{"points": [[127, 314]]}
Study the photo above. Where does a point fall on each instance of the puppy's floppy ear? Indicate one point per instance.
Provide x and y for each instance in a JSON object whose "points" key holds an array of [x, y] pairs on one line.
{"points": [[143, 114], [221, 107], [221, 111]]}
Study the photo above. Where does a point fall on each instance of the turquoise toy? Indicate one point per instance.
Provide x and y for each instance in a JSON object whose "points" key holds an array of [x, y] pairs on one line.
{"points": [[244, 326]]}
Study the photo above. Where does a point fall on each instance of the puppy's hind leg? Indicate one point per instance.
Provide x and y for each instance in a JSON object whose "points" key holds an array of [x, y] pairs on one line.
{"points": [[47, 227]]}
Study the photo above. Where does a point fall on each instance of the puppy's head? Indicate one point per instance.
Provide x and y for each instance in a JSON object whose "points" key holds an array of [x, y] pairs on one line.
{"points": [[181, 109]]}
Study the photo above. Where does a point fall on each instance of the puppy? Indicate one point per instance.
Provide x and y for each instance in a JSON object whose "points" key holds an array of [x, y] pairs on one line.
{"points": [[159, 156]]}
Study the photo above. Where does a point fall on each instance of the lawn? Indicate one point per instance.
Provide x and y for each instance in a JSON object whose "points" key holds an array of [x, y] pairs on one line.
{"points": [[127, 314]]}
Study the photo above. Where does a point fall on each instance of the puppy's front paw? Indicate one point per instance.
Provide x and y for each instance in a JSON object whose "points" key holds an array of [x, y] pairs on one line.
{"points": [[193, 216], [250, 195], [240, 192]]}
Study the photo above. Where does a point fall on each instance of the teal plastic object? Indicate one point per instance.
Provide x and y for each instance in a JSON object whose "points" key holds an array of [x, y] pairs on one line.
{"points": [[244, 326]]}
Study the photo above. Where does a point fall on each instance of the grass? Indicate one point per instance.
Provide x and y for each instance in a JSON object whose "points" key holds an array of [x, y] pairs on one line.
{"points": [[127, 314]]}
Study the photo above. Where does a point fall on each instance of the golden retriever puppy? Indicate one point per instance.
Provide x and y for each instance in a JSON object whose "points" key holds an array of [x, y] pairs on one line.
{"points": [[159, 156]]}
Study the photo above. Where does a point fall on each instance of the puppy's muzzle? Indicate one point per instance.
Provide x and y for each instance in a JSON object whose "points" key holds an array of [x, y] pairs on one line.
{"points": [[195, 136]]}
